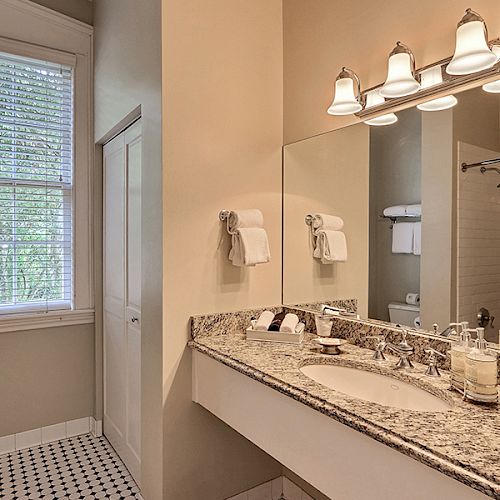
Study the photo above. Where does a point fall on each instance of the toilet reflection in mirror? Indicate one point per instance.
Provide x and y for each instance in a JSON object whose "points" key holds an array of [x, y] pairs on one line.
{"points": [[414, 221]]}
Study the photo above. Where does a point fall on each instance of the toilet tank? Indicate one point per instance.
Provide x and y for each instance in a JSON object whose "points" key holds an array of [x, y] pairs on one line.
{"points": [[403, 314]]}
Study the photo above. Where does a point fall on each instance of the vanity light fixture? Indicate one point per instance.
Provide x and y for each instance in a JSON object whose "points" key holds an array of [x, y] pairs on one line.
{"points": [[429, 78], [373, 98], [472, 53], [493, 87], [401, 74], [346, 102]]}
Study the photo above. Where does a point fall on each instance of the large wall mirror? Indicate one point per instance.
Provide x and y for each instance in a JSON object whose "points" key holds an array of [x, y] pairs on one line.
{"points": [[422, 236]]}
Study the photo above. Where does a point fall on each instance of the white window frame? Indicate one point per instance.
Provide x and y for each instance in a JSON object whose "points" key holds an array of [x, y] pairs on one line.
{"points": [[29, 30]]}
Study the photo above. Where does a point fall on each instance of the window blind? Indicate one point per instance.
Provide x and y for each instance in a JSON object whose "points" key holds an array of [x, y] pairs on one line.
{"points": [[36, 184]]}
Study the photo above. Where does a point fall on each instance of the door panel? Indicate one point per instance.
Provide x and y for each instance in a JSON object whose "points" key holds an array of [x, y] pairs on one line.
{"points": [[122, 295]]}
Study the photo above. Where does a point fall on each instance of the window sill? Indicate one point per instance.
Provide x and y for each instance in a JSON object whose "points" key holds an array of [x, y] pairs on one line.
{"points": [[50, 319]]}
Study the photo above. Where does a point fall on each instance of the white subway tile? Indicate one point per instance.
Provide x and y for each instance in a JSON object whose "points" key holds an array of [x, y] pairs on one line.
{"points": [[7, 444], [28, 439], [52, 433], [77, 427]]}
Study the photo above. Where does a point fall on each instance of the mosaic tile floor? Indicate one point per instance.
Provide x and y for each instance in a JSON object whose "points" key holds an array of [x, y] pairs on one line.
{"points": [[80, 468]]}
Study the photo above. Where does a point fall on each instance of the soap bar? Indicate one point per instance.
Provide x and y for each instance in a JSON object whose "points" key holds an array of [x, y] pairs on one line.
{"points": [[276, 322]]}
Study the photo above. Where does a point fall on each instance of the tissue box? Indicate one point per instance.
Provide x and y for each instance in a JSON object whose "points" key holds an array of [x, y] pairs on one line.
{"points": [[279, 337]]}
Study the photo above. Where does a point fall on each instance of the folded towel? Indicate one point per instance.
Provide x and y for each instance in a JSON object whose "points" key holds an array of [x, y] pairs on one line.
{"points": [[250, 247], [324, 221], [396, 211], [414, 210], [244, 218], [289, 323], [417, 238], [402, 237], [264, 321], [331, 246]]}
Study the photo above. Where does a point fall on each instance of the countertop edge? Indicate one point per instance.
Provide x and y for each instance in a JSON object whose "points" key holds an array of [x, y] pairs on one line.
{"points": [[361, 425]]}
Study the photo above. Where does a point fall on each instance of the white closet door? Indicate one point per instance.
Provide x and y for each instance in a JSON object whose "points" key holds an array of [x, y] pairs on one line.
{"points": [[122, 295]]}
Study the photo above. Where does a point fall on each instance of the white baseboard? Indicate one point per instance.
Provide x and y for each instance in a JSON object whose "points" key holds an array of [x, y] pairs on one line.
{"points": [[95, 427], [49, 434]]}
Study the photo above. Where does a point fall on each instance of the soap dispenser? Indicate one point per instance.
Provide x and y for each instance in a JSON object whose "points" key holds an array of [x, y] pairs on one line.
{"points": [[458, 351], [481, 372]]}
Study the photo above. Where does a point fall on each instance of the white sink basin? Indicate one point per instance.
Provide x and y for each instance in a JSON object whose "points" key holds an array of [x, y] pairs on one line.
{"points": [[374, 387]]}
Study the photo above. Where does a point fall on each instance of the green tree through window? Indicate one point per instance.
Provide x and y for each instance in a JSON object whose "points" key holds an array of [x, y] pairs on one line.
{"points": [[36, 156]]}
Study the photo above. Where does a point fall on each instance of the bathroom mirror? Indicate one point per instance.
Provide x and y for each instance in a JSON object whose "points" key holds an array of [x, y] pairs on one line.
{"points": [[438, 245]]}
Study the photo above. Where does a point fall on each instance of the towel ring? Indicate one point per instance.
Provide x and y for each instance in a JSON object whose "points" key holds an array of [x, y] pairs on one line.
{"points": [[309, 219], [224, 215]]}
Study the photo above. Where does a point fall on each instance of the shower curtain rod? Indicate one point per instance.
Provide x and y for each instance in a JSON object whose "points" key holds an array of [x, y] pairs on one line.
{"points": [[466, 166]]}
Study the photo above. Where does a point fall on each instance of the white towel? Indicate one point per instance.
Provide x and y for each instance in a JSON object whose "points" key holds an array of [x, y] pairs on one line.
{"points": [[414, 210], [402, 237], [396, 211], [331, 246], [324, 221], [264, 321], [244, 218], [289, 323], [250, 247], [417, 238]]}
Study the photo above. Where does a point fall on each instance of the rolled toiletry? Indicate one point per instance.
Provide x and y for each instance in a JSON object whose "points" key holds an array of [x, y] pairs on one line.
{"points": [[265, 319], [325, 221], [414, 210], [276, 323], [395, 211], [413, 299], [245, 218], [289, 323]]}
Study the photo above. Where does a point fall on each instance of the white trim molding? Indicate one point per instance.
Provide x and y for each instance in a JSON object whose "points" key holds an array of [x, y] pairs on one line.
{"points": [[43, 435], [49, 319]]}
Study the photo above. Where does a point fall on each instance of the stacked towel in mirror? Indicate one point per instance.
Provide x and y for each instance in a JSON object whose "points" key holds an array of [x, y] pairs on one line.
{"points": [[330, 241]]}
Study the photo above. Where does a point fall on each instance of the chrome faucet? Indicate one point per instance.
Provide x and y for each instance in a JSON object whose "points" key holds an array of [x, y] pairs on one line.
{"points": [[403, 350], [450, 330]]}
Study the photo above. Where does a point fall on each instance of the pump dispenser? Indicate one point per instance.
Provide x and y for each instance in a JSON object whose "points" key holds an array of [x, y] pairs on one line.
{"points": [[481, 372], [458, 352]]}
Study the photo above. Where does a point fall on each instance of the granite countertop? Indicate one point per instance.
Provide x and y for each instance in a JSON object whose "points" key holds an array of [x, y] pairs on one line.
{"points": [[463, 442]]}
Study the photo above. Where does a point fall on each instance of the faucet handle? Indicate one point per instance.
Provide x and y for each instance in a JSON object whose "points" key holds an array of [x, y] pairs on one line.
{"points": [[378, 355], [432, 369]]}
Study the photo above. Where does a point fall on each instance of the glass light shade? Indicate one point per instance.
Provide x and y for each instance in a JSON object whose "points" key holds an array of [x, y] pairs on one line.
{"points": [[472, 53], [493, 87], [345, 102], [429, 78], [400, 80], [373, 98]]}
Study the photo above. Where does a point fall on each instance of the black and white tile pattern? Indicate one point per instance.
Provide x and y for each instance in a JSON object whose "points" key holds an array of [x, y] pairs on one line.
{"points": [[80, 468]]}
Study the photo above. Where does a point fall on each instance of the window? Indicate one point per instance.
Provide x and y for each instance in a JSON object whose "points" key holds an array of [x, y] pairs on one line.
{"points": [[36, 185]]}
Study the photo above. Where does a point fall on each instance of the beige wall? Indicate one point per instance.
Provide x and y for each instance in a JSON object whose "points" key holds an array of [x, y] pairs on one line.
{"points": [[47, 377], [320, 36], [437, 219], [222, 150], [78, 9], [128, 75], [395, 179], [327, 174]]}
